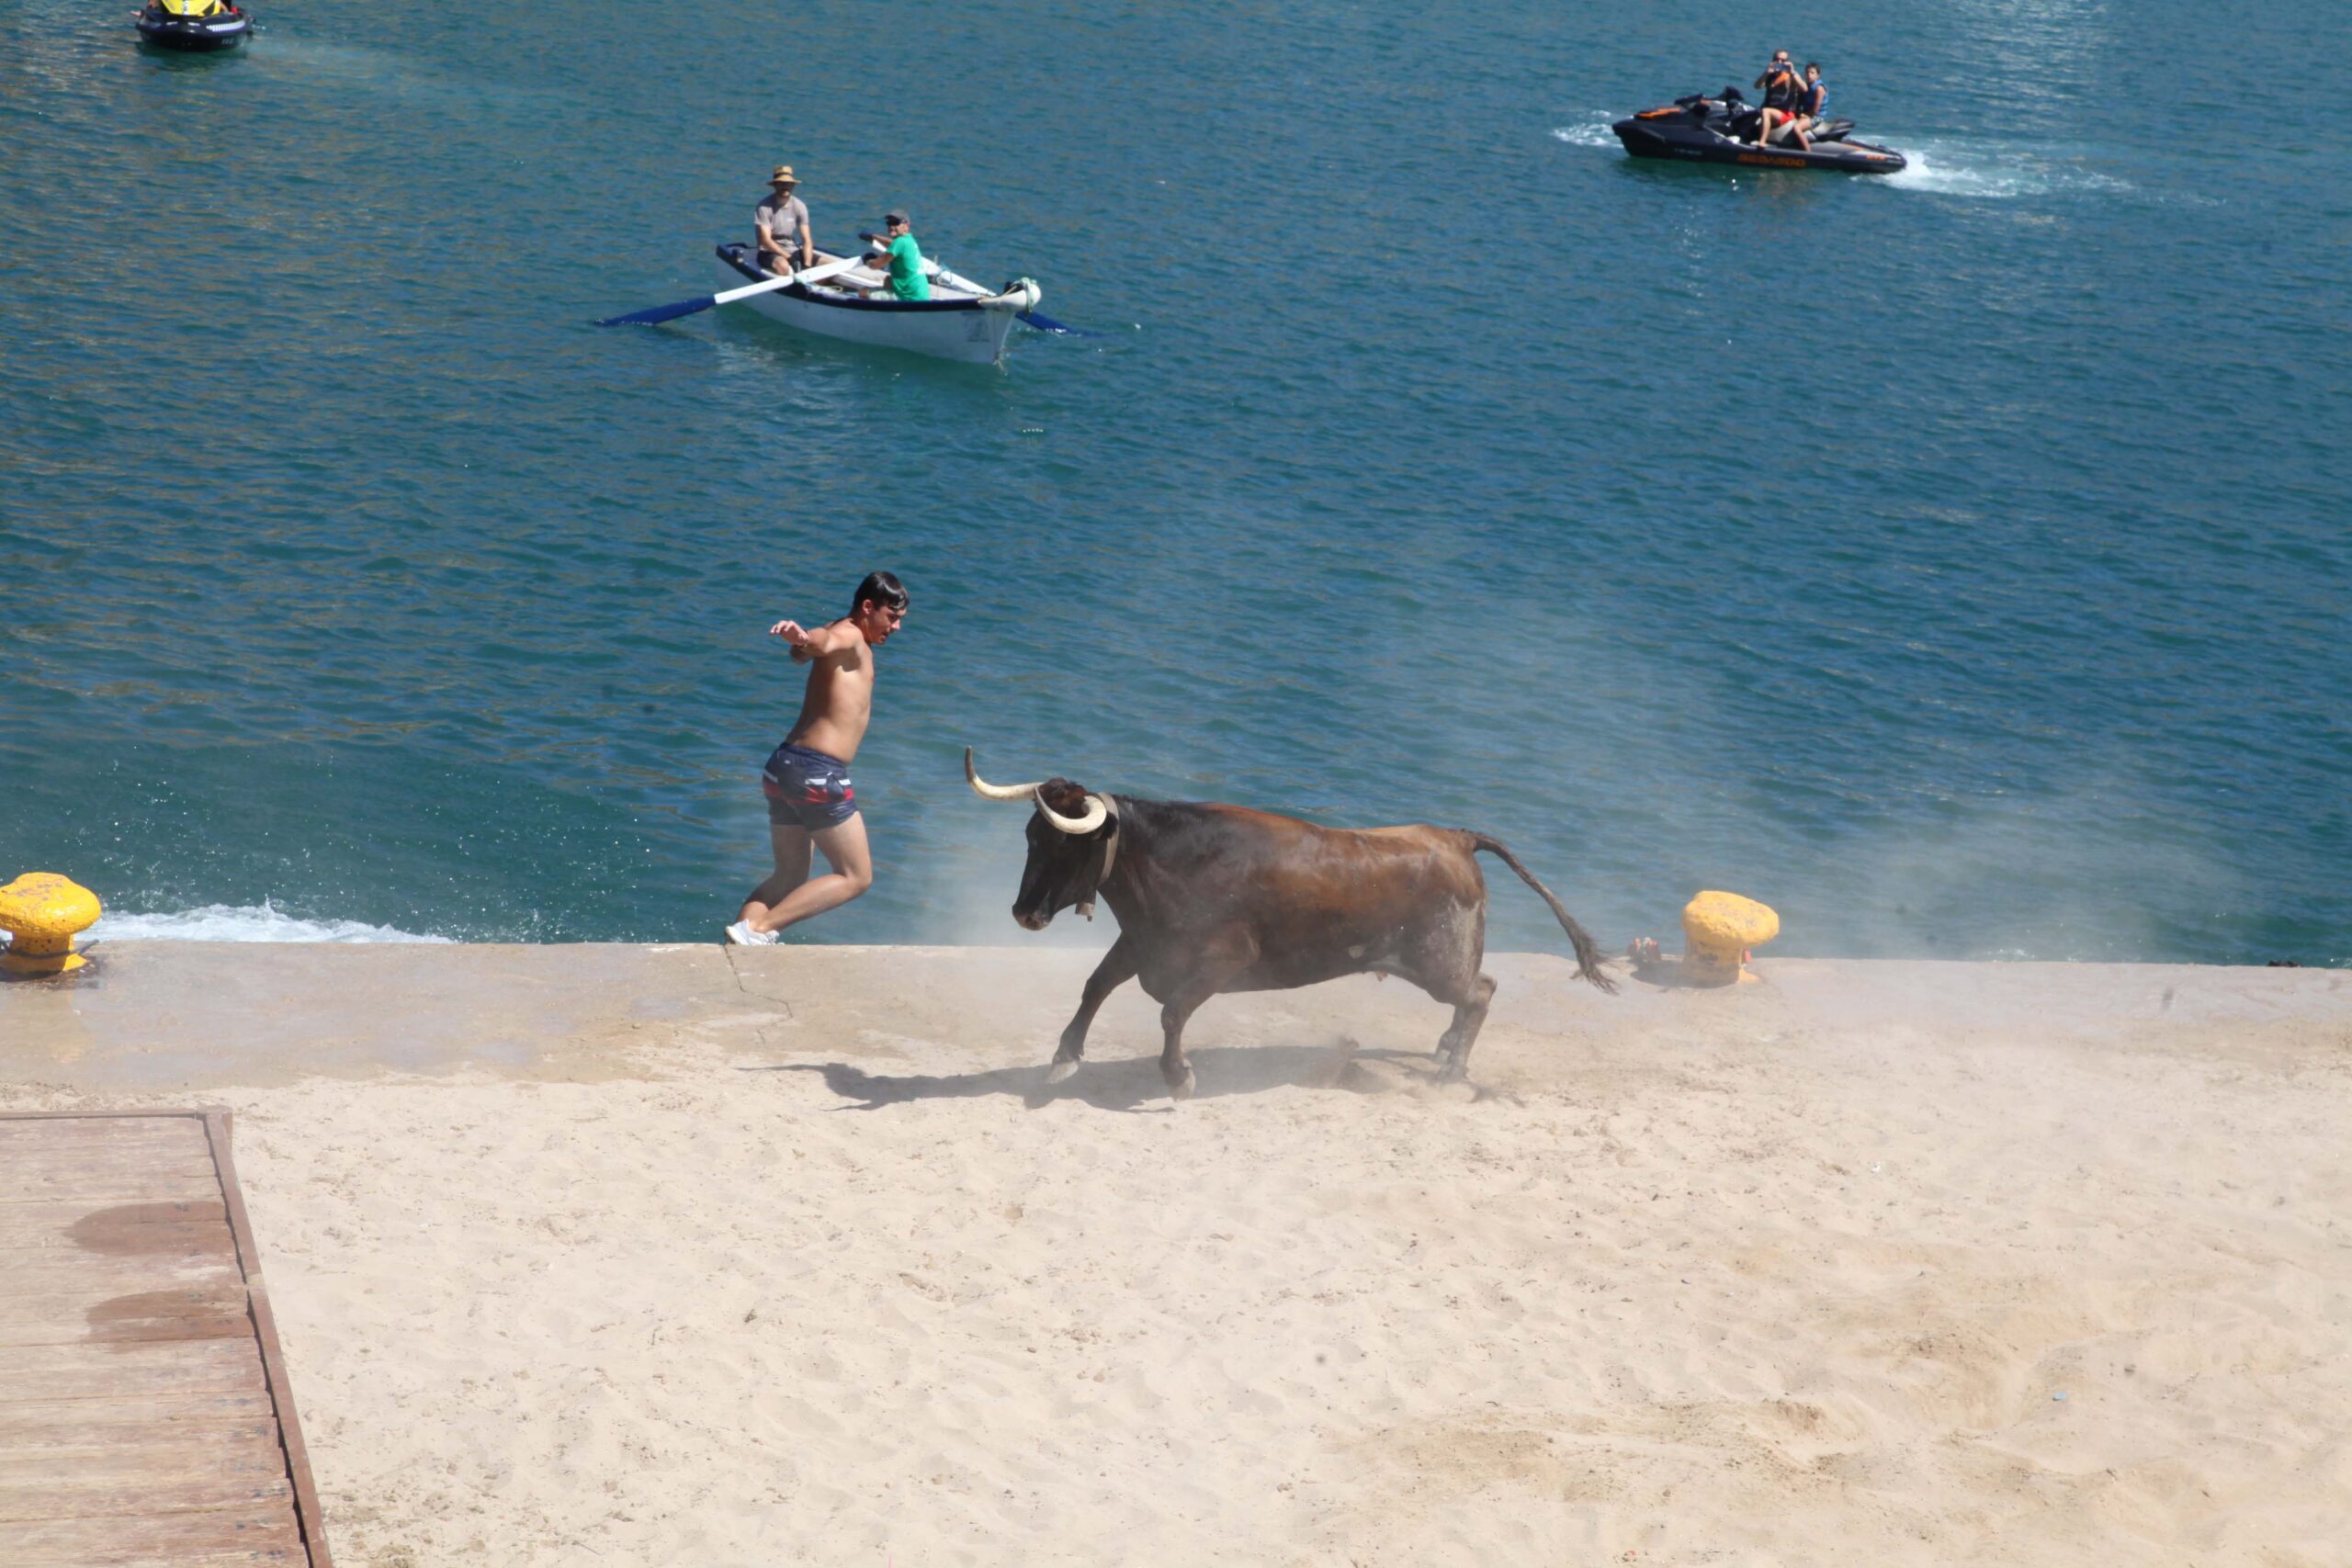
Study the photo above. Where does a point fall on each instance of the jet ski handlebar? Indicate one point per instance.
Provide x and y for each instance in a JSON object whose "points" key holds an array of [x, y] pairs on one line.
{"points": [[1729, 95]]}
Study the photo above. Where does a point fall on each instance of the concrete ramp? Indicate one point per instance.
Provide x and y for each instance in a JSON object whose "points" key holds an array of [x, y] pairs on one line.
{"points": [[144, 1412]]}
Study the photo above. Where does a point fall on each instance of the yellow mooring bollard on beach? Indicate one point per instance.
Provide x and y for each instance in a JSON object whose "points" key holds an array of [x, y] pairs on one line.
{"points": [[1718, 929], [42, 913]]}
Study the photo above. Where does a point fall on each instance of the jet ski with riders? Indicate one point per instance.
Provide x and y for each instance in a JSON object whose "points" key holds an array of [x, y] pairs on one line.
{"points": [[1791, 128], [199, 25]]}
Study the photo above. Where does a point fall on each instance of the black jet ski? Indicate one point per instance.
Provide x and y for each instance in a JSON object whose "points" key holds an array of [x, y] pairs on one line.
{"points": [[193, 24], [1702, 129]]}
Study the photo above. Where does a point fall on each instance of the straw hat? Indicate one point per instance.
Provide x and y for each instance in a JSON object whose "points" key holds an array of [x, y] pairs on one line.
{"points": [[782, 176]]}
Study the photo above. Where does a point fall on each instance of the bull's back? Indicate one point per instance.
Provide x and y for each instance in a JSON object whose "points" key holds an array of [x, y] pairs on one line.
{"points": [[1349, 864], [1324, 902]]}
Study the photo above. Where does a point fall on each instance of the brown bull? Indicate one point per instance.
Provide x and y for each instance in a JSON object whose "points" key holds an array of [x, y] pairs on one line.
{"points": [[1213, 898]]}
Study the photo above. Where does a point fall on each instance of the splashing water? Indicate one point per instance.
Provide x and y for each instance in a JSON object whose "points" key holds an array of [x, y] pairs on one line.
{"points": [[1989, 173], [233, 922], [1591, 133]]}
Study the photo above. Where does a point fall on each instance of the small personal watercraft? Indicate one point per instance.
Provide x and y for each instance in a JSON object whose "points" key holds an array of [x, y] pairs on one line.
{"points": [[1722, 130], [193, 24]]}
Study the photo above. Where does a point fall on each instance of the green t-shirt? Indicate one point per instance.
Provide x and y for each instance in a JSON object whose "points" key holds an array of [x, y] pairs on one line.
{"points": [[907, 281]]}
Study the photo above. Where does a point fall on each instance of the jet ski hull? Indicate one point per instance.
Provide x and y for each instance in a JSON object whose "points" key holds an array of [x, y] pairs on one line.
{"points": [[1674, 133], [221, 30]]}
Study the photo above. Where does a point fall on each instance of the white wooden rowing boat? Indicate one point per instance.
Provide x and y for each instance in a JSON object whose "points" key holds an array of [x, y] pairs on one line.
{"points": [[960, 320]]}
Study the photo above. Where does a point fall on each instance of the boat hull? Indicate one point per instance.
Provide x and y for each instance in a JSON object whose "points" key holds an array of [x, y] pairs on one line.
{"points": [[197, 34], [962, 330]]}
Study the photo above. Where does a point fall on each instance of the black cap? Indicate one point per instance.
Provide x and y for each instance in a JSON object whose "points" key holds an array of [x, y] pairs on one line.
{"points": [[894, 215]]}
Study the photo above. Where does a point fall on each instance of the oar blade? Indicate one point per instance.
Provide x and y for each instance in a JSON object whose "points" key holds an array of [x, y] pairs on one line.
{"points": [[1048, 325], [661, 313]]}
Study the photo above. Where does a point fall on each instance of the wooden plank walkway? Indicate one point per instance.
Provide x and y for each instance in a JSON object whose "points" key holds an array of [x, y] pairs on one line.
{"points": [[144, 1412]]}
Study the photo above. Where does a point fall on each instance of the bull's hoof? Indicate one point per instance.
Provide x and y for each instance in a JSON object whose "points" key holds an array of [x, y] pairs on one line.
{"points": [[1451, 1071], [1181, 1089], [1061, 1071]]}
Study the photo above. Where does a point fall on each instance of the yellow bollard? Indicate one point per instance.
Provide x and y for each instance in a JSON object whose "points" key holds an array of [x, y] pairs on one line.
{"points": [[1717, 930], [43, 912]]}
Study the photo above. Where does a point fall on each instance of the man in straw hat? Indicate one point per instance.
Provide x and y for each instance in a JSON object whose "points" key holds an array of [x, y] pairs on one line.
{"points": [[785, 244]]}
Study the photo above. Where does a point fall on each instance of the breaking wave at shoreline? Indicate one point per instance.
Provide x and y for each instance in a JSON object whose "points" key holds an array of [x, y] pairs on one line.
{"points": [[243, 922]]}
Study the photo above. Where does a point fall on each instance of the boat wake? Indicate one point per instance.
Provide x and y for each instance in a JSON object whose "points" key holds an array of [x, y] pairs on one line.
{"points": [[393, 74], [1989, 173], [249, 922], [1590, 133]]}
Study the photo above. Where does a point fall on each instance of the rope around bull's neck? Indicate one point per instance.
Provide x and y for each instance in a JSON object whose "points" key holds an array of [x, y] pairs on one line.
{"points": [[1110, 855]]}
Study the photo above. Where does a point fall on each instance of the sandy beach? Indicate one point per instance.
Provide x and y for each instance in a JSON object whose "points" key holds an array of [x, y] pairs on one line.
{"points": [[657, 1255]]}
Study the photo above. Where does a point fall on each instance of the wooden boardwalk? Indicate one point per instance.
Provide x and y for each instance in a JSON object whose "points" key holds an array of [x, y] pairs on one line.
{"points": [[144, 1412]]}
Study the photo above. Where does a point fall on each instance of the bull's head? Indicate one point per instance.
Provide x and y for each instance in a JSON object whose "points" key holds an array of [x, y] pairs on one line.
{"points": [[1071, 845]]}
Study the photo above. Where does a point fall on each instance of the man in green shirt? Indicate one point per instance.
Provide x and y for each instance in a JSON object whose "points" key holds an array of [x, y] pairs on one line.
{"points": [[903, 260]]}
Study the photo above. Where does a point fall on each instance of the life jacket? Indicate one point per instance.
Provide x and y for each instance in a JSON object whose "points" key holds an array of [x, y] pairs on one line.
{"points": [[192, 7]]}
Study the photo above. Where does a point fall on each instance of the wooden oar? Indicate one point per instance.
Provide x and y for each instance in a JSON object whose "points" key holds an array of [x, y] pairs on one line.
{"points": [[1043, 322], [728, 296]]}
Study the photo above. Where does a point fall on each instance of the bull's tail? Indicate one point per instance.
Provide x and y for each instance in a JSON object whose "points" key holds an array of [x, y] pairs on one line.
{"points": [[1587, 950]]}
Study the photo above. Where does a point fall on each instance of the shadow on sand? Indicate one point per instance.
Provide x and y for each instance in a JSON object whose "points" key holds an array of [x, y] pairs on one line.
{"points": [[1132, 1083]]}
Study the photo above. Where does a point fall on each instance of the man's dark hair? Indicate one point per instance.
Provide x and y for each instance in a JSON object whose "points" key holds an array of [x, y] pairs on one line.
{"points": [[881, 588], [1813, 65]]}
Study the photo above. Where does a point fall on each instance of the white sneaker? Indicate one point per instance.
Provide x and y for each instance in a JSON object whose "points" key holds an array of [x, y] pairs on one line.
{"points": [[741, 934]]}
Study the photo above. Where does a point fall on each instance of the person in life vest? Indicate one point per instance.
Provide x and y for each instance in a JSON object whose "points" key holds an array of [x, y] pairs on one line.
{"points": [[1812, 99], [1781, 89]]}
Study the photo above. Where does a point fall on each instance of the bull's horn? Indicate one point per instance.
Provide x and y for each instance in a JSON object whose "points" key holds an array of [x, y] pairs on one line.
{"points": [[987, 791], [1096, 812]]}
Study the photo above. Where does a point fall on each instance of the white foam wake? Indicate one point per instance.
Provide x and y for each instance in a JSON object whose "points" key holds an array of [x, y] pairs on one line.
{"points": [[243, 922], [1989, 173], [1592, 133]]}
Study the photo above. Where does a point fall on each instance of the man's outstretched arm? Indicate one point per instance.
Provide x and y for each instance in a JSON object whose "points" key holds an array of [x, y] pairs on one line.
{"points": [[836, 637]]}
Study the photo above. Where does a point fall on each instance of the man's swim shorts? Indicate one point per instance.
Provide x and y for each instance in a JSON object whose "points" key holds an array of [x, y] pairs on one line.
{"points": [[807, 789]]}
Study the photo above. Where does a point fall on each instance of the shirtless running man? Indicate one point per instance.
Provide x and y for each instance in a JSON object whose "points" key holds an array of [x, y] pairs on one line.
{"points": [[811, 800]]}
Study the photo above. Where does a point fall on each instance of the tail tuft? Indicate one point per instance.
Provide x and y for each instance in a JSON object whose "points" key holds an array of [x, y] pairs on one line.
{"points": [[1588, 951]]}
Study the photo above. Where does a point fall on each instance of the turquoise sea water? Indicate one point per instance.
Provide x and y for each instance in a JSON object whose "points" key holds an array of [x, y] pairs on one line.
{"points": [[1958, 562]]}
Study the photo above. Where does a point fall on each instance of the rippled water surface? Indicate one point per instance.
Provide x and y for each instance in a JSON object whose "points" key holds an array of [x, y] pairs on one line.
{"points": [[1957, 561]]}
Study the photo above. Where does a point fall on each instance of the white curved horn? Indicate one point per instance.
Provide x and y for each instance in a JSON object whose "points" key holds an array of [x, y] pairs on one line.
{"points": [[1095, 813], [987, 791]]}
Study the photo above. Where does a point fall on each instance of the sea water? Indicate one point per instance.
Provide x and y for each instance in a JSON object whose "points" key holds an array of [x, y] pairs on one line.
{"points": [[1957, 561]]}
